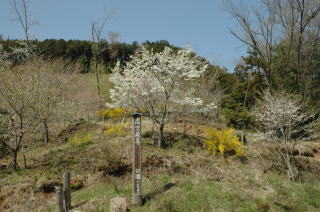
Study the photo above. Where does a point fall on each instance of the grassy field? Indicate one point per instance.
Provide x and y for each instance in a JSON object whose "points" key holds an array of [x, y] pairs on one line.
{"points": [[183, 177]]}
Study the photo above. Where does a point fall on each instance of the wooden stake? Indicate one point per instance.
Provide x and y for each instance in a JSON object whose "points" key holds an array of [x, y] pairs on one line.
{"points": [[67, 191], [242, 139], [59, 195], [25, 162]]}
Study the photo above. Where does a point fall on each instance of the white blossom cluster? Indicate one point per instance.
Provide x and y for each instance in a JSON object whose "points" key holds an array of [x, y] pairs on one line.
{"points": [[4, 57], [23, 51], [198, 105], [278, 113], [19, 53], [154, 83]]}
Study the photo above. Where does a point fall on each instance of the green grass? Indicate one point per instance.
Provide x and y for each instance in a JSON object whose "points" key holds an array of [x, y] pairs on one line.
{"points": [[91, 81], [189, 179]]}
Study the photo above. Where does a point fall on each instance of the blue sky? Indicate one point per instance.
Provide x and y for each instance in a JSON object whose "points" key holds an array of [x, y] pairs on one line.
{"points": [[201, 24]]}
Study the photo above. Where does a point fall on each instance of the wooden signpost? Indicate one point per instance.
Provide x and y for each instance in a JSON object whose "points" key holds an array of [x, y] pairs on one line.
{"points": [[136, 161]]}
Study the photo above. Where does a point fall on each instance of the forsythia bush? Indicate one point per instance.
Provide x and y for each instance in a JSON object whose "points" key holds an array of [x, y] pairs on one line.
{"points": [[224, 141], [115, 130], [113, 113], [81, 139]]}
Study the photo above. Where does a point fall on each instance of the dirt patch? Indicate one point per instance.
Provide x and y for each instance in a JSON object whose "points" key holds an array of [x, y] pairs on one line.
{"points": [[115, 168], [155, 161], [3, 198], [72, 128], [48, 187], [317, 155], [305, 161], [305, 151], [308, 167], [3, 167], [173, 137], [160, 163], [4, 151]]}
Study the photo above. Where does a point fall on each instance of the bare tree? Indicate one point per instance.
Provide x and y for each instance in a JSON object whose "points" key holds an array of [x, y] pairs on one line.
{"points": [[34, 96], [17, 118], [96, 33], [263, 28], [282, 117], [114, 37], [55, 94], [22, 15]]}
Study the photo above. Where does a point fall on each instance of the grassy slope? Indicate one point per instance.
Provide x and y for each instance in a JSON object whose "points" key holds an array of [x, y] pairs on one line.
{"points": [[91, 81], [181, 178]]}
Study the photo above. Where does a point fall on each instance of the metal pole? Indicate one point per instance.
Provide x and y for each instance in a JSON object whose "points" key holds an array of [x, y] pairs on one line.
{"points": [[136, 160]]}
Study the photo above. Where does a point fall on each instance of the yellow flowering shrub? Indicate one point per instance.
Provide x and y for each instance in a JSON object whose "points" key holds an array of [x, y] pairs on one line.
{"points": [[113, 113], [115, 130], [81, 139], [224, 141]]}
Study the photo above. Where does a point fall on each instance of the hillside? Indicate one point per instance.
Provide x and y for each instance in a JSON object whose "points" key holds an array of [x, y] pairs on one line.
{"points": [[183, 177], [218, 124]]}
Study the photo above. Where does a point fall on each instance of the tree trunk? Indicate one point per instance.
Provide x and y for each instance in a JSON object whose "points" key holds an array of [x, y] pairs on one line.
{"points": [[153, 134], [15, 165], [46, 132], [161, 141], [292, 176], [197, 125], [98, 81], [184, 126]]}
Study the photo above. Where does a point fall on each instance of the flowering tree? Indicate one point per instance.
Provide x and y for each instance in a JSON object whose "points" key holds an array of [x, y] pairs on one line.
{"points": [[33, 95], [4, 57], [54, 100], [282, 117], [17, 118], [156, 83], [25, 48]]}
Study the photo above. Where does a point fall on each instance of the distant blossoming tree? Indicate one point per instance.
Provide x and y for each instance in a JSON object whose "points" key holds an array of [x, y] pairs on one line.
{"points": [[16, 117], [35, 94], [157, 83], [283, 117]]}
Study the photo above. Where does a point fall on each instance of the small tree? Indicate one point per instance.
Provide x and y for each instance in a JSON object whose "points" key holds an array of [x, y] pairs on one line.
{"points": [[35, 95], [54, 98], [282, 117], [96, 30], [155, 83], [17, 119]]}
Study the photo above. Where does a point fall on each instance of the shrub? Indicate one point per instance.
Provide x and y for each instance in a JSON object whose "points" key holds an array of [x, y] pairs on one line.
{"points": [[113, 113], [79, 139], [224, 142], [115, 130], [165, 179], [76, 185]]}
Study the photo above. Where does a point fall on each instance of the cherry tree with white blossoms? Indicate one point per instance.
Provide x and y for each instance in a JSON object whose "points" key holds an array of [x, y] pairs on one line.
{"points": [[154, 84], [283, 117]]}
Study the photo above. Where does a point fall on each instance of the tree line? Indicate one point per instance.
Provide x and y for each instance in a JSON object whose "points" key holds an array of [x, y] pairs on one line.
{"points": [[78, 50]]}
